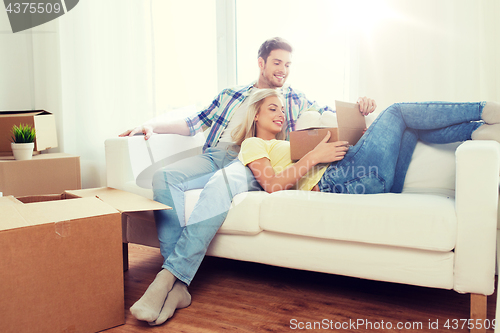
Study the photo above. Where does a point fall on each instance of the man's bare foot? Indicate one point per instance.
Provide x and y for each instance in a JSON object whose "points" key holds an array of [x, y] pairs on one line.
{"points": [[178, 298]]}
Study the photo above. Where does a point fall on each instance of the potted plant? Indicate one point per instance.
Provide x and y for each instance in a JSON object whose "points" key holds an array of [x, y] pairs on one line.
{"points": [[23, 141]]}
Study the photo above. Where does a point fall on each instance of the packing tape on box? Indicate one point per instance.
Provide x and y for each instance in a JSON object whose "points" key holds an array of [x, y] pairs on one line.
{"points": [[63, 229], [312, 132]]}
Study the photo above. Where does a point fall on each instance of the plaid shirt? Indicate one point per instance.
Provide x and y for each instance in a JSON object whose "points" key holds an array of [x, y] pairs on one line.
{"points": [[219, 113]]}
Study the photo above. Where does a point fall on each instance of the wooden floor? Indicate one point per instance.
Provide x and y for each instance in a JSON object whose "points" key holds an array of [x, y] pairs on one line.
{"points": [[234, 296]]}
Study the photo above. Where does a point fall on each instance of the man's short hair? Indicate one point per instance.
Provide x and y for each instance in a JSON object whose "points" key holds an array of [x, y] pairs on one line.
{"points": [[276, 43]]}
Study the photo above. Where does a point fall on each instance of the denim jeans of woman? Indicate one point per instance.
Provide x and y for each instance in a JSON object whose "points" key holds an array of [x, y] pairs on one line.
{"points": [[379, 161]]}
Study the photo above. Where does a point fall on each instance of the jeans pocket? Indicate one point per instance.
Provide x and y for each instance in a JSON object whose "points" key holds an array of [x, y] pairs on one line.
{"points": [[369, 183]]}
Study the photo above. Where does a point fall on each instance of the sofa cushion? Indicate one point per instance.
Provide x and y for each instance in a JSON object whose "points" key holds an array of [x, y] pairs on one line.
{"points": [[419, 221], [243, 216], [432, 168]]}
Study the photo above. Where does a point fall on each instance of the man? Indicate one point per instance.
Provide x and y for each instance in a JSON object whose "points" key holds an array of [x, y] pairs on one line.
{"points": [[183, 245]]}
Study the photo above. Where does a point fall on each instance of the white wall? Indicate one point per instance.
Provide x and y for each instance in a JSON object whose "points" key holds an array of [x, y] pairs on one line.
{"points": [[30, 70], [16, 68]]}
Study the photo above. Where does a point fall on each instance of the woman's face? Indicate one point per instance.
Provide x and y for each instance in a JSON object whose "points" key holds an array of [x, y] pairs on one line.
{"points": [[270, 118]]}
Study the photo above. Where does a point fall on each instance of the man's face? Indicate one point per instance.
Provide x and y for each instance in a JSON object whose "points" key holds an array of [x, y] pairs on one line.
{"points": [[274, 71]]}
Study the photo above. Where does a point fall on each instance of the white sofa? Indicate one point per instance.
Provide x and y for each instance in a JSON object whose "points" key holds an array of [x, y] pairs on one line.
{"points": [[440, 232]]}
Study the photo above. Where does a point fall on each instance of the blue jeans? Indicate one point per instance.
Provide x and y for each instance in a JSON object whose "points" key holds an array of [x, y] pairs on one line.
{"points": [[379, 161], [183, 245]]}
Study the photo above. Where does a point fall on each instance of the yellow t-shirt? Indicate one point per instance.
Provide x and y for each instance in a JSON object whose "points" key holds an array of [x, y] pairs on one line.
{"points": [[278, 153]]}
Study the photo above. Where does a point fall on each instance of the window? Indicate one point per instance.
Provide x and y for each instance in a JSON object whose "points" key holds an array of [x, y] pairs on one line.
{"points": [[185, 53], [322, 50]]}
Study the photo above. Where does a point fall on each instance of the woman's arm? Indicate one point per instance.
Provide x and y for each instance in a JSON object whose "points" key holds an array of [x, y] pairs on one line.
{"points": [[271, 182]]}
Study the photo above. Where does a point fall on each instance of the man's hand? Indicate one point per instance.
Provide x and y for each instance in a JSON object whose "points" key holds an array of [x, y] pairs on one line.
{"points": [[145, 129], [163, 126], [366, 105]]}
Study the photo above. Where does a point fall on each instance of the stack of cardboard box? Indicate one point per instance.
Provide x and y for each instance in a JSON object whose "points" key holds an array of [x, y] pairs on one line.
{"points": [[46, 173]]}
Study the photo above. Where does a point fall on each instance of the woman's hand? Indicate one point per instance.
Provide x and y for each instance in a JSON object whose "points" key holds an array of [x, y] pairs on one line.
{"points": [[366, 105], [327, 152]]}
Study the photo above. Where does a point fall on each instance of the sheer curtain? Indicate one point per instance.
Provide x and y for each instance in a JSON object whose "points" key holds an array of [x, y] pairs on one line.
{"points": [[123, 63], [106, 78], [389, 50], [432, 50]]}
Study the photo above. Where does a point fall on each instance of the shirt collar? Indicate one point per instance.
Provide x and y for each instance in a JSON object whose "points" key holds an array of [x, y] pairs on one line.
{"points": [[249, 88]]}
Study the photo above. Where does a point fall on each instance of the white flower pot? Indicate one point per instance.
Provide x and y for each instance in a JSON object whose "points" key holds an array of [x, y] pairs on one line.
{"points": [[23, 151]]}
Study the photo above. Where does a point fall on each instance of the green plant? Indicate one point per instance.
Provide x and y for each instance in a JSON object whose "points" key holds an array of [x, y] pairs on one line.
{"points": [[23, 134]]}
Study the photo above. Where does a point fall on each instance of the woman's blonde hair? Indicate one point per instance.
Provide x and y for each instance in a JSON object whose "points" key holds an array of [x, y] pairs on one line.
{"points": [[247, 128]]}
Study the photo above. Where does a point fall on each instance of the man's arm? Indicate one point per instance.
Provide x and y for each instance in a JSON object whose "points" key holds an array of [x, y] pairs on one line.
{"points": [[197, 123], [160, 126], [366, 105]]}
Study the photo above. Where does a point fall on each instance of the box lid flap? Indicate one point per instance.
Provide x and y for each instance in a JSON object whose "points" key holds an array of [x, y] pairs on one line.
{"points": [[348, 115], [23, 113], [315, 128], [123, 201], [9, 200], [30, 214], [11, 218]]}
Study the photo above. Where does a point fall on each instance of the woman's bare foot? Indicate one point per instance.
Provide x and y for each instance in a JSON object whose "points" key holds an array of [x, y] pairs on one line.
{"points": [[491, 113], [487, 132]]}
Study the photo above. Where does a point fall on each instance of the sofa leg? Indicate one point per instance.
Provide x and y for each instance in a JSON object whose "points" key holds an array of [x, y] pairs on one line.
{"points": [[478, 312], [125, 256]]}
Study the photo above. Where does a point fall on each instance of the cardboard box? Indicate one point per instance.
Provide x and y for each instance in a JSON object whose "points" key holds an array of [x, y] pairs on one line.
{"points": [[61, 266], [303, 141], [44, 174], [44, 123], [351, 126]]}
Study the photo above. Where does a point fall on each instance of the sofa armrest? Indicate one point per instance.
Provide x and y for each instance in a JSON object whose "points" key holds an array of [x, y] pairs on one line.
{"points": [[134, 160], [118, 168], [478, 168]]}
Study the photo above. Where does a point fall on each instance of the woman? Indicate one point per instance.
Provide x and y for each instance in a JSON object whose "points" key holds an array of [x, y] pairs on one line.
{"points": [[376, 164]]}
